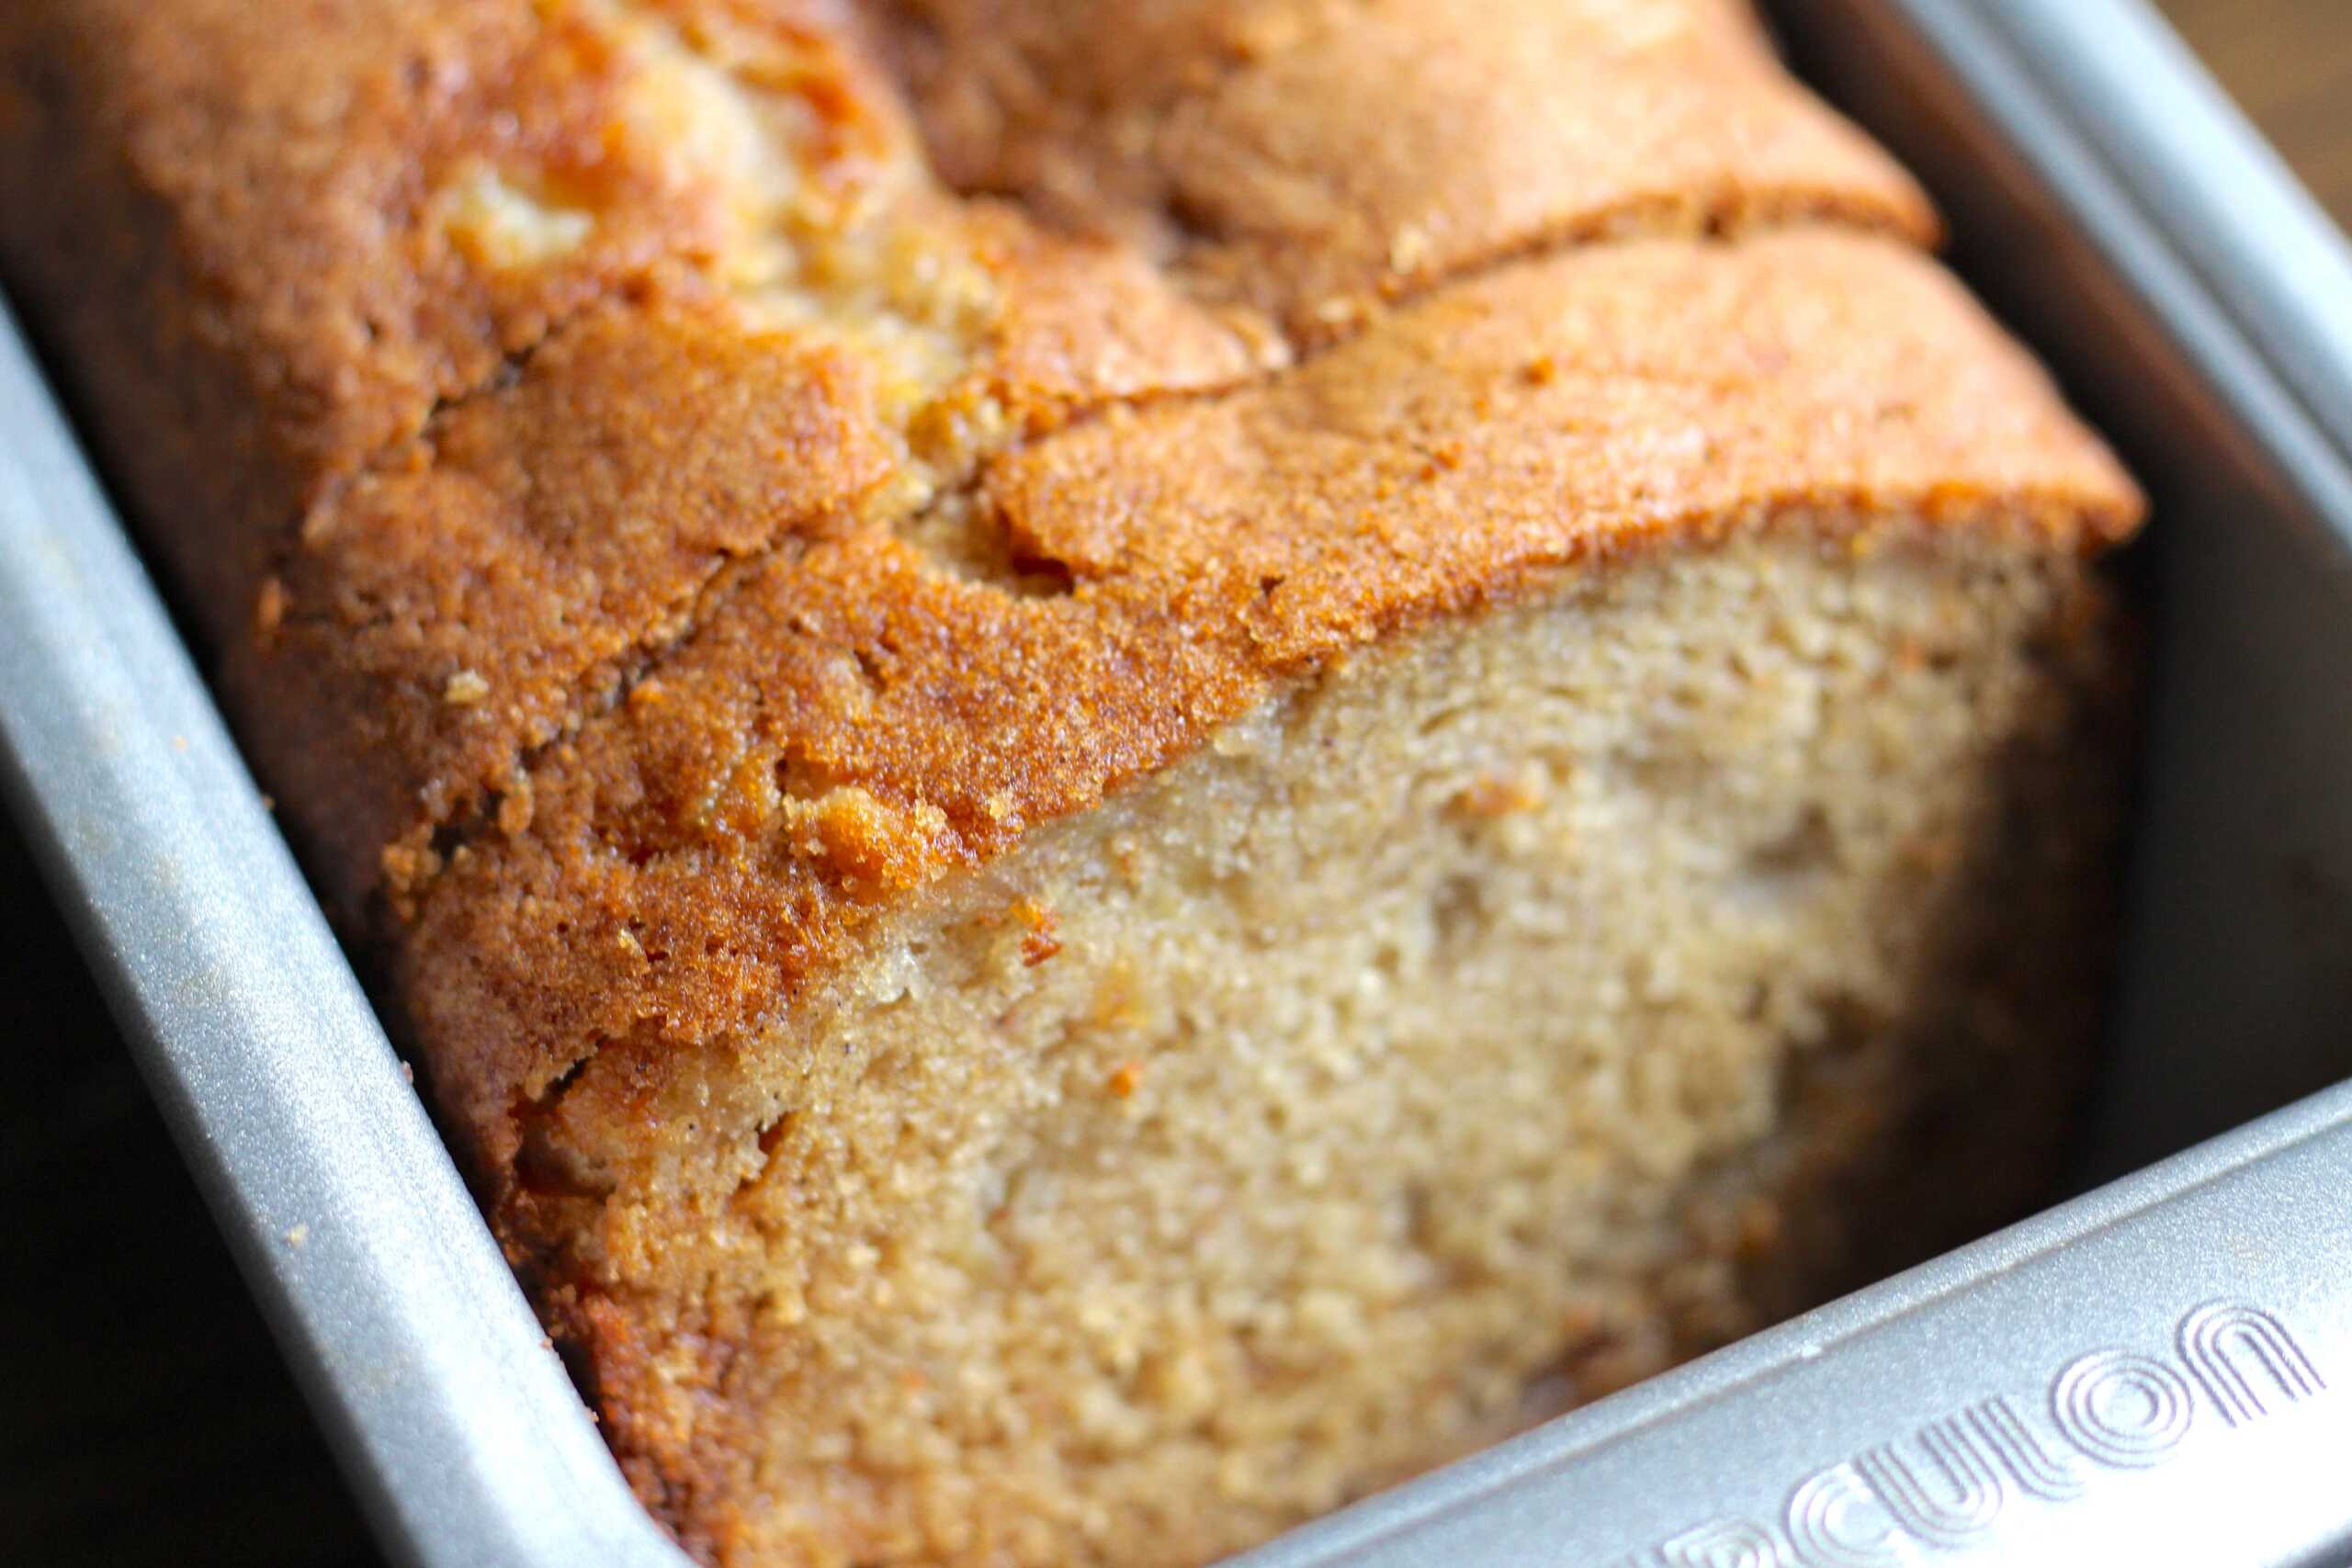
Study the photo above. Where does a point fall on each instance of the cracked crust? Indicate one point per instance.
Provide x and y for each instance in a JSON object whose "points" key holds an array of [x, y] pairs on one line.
{"points": [[440, 247], [323, 233], [1312, 158], [485, 586], [295, 261], [277, 209]]}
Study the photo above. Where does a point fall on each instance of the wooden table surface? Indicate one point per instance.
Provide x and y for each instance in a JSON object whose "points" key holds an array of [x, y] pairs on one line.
{"points": [[144, 1420], [2290, 61]]}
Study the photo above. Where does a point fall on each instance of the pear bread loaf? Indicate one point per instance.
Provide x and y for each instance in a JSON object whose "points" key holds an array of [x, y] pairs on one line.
{"points": [[1121, 764]]}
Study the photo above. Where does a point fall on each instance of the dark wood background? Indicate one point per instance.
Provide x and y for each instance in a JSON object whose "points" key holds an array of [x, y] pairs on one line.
{"points": [[144, 1418]]}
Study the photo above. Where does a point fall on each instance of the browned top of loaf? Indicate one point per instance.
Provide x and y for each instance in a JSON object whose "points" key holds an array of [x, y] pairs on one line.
{"points": [[1311, 156], [860, 718], [344, 240], [324, 216], [421, 329], [656, 512]]}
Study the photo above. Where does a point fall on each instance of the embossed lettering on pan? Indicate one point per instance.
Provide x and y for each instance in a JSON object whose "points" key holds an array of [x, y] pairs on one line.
{"points": [[1954, 1481]]}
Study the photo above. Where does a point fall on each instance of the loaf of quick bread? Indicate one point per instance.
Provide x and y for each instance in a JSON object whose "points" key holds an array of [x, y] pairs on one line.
{"points": [[1123, 764]]}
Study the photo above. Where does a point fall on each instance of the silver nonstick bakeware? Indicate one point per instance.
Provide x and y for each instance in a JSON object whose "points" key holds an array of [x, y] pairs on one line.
{"points": [[2156, 1371]]}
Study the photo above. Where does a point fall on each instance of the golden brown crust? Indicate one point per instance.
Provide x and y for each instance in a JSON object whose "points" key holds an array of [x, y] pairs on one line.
{"points": [[280, 253], [441, 246], [265, 197], [858, 719], [1310, 157], [446, 611]]}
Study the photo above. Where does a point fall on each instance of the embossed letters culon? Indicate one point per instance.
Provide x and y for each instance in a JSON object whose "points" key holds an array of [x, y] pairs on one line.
{"points": [[1948, 1485]]}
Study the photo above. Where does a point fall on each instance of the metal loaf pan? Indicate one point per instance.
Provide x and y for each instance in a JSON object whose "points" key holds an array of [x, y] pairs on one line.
{"points": [[2158, 1370]]}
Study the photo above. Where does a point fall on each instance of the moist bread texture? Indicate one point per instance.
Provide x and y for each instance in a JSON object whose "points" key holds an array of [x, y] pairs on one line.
{"points": [[1122, 766]]}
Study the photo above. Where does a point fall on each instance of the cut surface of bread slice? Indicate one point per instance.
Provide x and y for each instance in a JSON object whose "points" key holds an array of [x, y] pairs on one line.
{"points": [[1465, 1032], [1160, 997]]}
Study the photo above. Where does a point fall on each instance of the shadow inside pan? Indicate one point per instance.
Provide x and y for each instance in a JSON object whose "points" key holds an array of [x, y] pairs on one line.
{"points": [[2233, 997]]}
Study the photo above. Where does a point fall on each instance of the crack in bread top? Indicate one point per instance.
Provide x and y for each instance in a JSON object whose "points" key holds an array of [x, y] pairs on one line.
{"points": [[668, 179], [857, 721], [847, 343]]}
